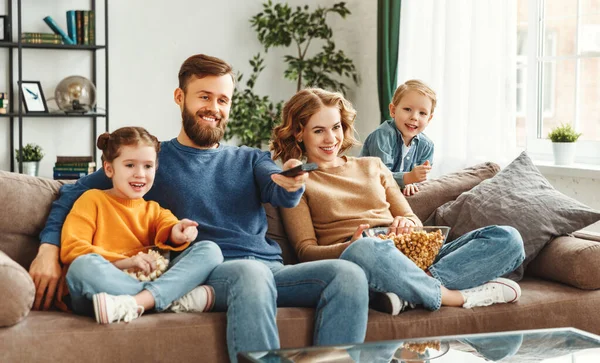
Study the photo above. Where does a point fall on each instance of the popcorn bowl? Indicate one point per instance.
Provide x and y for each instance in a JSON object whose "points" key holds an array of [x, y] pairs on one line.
{"points": [[420, 244]]}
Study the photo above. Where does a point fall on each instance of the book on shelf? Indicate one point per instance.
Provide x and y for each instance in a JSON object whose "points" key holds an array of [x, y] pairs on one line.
{"points": [[83, 165], [68, 174], [41, 41], [29, 35], [86, 27], [92, 27], [71, 24], [72, 169], [58, 30], [74, 159], [79, 25]]}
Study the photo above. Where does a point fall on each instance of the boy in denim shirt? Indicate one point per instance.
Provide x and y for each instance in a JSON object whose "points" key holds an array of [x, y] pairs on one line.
{"points": [[399, 142]]}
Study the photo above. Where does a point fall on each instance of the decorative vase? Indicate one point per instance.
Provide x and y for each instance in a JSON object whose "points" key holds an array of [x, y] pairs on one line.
{"points": [[564, 153], [31, 168]]}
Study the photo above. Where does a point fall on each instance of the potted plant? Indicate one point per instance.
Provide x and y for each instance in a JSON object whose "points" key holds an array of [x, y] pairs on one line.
{"points": [[563, 139], [32, 154], [296, 28]]}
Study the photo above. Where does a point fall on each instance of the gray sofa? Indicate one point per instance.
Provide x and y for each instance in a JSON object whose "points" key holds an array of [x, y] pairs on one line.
{"points": [[560, 289]]}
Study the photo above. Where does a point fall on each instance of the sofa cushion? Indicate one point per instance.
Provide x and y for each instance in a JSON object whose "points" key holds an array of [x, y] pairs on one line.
{"points": [[572, 261], [201, 337], [17, 291], [435, 192], [26, 202], [518, 196], [277, 233]]}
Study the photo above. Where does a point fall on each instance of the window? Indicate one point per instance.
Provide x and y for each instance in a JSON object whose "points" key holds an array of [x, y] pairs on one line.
{"points": [[558, 74]]}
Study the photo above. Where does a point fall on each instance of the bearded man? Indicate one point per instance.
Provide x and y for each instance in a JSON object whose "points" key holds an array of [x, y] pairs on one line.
{"points": [[222, 188]]}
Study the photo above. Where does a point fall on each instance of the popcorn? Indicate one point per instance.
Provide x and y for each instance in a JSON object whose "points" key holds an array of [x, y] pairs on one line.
{"points": [[420, 246], [422, 346], [161, 267]]}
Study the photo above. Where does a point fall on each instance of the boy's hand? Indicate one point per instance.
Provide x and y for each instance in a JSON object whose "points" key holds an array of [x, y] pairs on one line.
{"points": [[184, 231], [410, 189], [419, 173], [292, 183]]}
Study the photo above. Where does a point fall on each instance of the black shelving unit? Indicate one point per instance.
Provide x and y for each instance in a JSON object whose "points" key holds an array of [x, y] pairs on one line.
{"points": [[20, 113]]}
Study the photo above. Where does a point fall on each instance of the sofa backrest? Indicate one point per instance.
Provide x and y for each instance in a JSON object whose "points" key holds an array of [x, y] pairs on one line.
{"points": [[26, 201]]}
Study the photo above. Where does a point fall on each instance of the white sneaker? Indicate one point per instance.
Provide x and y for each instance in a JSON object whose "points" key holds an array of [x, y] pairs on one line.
{"points": [[109, 308], [388, 302], [200, 299], [496, 291]]}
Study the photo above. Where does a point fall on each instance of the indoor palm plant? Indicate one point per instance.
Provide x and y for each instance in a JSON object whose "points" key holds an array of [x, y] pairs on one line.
{"points": [[32, 154], [563, 139]]}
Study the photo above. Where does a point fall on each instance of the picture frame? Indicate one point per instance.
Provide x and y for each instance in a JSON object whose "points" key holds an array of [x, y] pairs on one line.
{"points": [[33, 97], [3, 28]]}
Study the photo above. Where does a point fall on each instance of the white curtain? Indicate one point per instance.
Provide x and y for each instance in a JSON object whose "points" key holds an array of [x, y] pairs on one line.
{"points": [[466, 51]]}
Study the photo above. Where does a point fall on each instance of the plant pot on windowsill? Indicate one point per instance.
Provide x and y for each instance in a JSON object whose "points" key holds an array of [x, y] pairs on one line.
{"points": [[32, 154], [564, 144]]}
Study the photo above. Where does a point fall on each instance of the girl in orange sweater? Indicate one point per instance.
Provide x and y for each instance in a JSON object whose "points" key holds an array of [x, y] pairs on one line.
{"points": [[104, 226]]}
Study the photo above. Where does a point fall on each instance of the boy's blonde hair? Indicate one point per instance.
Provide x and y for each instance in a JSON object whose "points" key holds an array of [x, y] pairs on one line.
{"points": [[414, 85]]}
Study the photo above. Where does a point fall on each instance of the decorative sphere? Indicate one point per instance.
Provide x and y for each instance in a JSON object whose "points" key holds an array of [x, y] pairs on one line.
{"points": [[75, 94]]}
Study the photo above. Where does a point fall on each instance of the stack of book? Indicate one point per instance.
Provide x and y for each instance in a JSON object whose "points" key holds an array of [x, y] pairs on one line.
{"points": [[73, 167], [3, 102], [81, 27], [41, 38]]}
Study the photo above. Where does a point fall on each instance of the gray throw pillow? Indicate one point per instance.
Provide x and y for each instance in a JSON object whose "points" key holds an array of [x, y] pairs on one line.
{"points": [[518, 196]]}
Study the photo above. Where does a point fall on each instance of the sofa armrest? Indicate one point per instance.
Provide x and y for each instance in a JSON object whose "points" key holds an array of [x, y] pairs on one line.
{"points": [[17, 291], [570, 260]]}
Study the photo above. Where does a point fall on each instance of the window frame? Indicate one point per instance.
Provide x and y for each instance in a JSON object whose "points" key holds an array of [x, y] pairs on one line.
{"points": [[538, 146]]}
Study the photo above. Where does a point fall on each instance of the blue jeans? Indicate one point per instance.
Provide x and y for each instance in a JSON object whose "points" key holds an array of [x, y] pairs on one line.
{"points": [[91, 274], [251, 289], [471, 260]]}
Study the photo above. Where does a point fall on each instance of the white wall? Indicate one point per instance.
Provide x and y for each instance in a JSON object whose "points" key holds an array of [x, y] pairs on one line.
{"points": [[148, 45]]}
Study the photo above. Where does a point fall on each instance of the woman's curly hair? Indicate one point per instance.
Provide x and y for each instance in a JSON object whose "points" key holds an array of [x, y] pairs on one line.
{"points": [[285, 140]]}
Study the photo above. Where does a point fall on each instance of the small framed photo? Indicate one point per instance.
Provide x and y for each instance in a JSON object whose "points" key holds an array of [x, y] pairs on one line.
{"points": [[33, 97], [4, 28]]}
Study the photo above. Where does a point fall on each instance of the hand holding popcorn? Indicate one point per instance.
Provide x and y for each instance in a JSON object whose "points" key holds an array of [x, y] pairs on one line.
{"points": [[159, 264]]}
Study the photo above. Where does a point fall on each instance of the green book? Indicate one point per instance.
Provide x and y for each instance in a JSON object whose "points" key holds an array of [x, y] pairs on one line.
{"points": [[92, 26], [40, 36], [41, 41], [86, 27]]}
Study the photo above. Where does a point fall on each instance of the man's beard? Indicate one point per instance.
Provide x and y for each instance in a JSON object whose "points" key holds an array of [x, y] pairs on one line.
{"points": [[203, 135]]}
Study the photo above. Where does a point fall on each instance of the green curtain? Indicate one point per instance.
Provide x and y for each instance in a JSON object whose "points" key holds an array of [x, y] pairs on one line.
{"points": [[388, 34]]}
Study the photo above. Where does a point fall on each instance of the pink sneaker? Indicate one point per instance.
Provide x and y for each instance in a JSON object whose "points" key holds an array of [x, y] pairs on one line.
{"points": [[109, 308], [200, 299]]}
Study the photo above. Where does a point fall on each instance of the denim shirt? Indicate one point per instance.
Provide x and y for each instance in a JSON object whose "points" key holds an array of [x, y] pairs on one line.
{"points": [[386, 143]]}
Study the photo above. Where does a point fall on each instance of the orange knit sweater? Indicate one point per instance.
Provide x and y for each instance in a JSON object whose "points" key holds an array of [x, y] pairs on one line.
{"points": [[114, 228]]}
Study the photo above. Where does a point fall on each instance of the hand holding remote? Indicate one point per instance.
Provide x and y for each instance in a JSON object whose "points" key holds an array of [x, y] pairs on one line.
{"points": [[292, 183]]}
